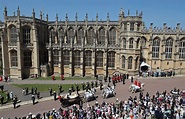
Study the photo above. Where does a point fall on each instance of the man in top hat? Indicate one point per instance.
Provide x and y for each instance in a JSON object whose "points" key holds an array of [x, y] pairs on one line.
{"points": [[33, 99]]}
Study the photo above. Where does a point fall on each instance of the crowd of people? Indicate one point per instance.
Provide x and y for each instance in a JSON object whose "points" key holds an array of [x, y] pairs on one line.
{"points": [[162, 105], [158, 73]]}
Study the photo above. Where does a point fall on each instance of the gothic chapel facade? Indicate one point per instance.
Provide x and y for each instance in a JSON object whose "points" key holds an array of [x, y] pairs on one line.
{"points": [[34, 46]]}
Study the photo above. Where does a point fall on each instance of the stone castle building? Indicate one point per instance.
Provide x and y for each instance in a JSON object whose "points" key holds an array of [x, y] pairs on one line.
{"points": [[36, 46]]}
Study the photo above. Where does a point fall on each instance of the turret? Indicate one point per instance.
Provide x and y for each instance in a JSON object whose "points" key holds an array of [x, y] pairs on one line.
{"points": [[136, 12], [128, 12], [151, 27], [164, 26], [56, 19], [40, 15], [96, 18], [18, 12], [141, 14], [178, 26], [76, 17], [66, 19], [108, 19], [5, 12], [121, 14], [47, 17], [33, 14], [86, 17]]}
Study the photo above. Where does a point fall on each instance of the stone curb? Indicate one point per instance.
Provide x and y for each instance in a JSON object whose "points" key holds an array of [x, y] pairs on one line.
{"points": [[26, 102]]}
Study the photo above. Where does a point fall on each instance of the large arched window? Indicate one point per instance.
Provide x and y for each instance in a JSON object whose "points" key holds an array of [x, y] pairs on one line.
{"points": [[13, 58], [90, 36], [131, 41], [70, 36], [61, 35], [124, 43], [77, 58], [13, 34], [182, 49], [28, 58], [130, 62], [101, 39], [88, 58], [168, 48], [111, 59], [26, 35], [99, 59], [123, 62], [155, 48], [80, 36], [55, 57], [131, 26], [66, 57], [112, 36]]}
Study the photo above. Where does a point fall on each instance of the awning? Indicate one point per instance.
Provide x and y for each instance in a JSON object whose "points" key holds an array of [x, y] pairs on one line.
{"points": [[143, 64]]}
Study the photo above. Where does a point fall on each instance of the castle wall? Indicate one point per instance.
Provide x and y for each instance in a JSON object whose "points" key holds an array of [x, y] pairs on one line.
{"points": [[109, 42]]}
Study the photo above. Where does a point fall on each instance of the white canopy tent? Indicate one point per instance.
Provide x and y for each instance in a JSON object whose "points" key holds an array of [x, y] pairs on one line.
{"points": [[145, 66]]}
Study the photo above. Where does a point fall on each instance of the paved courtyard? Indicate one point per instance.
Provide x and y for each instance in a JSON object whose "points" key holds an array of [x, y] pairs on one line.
{"points": [[151, 85]]}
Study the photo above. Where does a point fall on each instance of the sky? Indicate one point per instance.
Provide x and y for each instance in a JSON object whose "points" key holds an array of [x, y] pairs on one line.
{"points": [[154, 11]]}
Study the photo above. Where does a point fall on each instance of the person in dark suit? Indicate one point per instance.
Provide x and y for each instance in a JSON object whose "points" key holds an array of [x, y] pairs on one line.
{"points": [[33, 99], [101, 85], [55, 96], [123, 79], [83, 86], [77, 88], [50, 91], [27, 90], [109, 79], [14, 102], [132, 80], [60, 89]]}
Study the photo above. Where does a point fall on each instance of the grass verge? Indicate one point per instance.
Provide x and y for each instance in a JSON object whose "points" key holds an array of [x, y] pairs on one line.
{"points": [[3, 94], [66, 78], [45, 87]]}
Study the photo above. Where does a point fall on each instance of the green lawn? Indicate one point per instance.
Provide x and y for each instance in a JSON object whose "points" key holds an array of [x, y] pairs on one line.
{"points": [[4, 95], [66, 78], [45, 87]]}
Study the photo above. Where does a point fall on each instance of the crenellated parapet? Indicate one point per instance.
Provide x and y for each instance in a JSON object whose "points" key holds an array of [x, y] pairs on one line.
{"points": [[164, 30]]}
